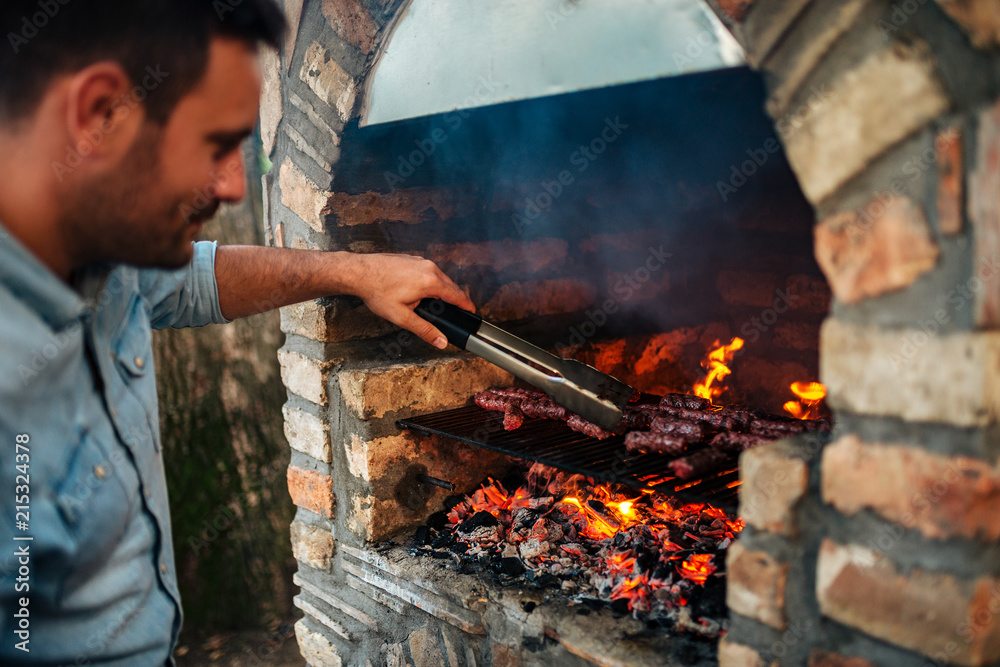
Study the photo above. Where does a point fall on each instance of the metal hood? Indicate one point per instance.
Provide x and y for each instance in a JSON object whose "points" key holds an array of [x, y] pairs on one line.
{"points": [[447, 55]]}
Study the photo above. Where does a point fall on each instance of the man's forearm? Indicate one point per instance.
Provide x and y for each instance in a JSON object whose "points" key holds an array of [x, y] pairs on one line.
{"points": [[253, 279]]}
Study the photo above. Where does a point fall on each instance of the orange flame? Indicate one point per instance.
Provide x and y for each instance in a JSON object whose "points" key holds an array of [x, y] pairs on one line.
{"points": [[698, 567], [810, 394], [717, 369]]}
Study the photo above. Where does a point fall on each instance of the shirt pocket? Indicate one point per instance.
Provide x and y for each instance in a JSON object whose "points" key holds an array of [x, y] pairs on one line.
{"points": [[93, 501], [133, 350]]}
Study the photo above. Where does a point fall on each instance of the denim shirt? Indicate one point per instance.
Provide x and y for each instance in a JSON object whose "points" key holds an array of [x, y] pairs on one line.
{"points": [[90, 508]]}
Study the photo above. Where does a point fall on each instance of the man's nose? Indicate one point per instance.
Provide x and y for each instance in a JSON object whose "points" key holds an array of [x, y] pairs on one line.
{"points": [[230, 185]]}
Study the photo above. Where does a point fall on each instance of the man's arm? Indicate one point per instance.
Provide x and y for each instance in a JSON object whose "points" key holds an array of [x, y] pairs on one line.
{"points": [[253, 279]]}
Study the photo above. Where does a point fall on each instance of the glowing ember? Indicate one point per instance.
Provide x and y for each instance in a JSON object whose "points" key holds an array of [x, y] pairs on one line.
{"points": [[646, 552], [810, 395], [716, 363]]}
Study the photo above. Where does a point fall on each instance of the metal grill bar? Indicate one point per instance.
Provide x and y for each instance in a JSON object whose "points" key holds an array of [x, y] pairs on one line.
{"points": [[553, 443]]}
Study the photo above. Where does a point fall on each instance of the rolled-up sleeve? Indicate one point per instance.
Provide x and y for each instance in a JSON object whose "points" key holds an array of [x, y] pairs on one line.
{"points": [[187, 297]]}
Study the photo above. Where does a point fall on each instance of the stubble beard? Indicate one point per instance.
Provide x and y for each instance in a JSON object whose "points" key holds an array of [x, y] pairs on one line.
{"points": [[126, 217]]}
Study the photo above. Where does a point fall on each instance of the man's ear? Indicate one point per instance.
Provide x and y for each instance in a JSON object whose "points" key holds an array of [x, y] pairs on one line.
{"points": [[102, 116]]}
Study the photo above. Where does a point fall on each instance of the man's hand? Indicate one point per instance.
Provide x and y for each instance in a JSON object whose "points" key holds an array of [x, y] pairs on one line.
{"points": [[393, 285], [253, 279]]}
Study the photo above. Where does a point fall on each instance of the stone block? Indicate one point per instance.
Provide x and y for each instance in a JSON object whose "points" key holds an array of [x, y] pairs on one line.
{"points": [[909, 374], [352, 22], [312, 545], [523, 299], [732, 654], [984, 214], [410, 206], [425, 647], [307, 319], [404, 389], [311, 490], [884, 247], [940, 496], [316, 649], [293, 13], [918, 610], [834, 142], [804, 48], [303, 376], [271, 107], [331, 83], [755, 585], [303, 197], [950, 194], [979, 18], [775, 478], [766, 23], [307, 433]]}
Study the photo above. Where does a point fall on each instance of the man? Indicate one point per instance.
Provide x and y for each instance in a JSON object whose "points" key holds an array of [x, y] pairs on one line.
{"points": [[116, 117]]}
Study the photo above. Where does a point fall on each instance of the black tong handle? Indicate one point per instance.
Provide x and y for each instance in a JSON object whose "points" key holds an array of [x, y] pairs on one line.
{"points": [[456, 324]]}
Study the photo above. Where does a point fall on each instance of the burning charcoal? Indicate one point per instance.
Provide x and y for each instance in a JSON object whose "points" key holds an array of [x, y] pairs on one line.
{"points": [[512, 566], [541, 504], [442, 541], [486, 534], [700, 463], [438, 520], [581, 425], [477, 520], [694, 430], [423, 536], [532, 549], [656, 443], [545, 530], [522, 518], [513, 418], [685, 401]]}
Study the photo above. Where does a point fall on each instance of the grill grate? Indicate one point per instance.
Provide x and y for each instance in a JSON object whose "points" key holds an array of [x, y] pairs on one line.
{"points": [[554, 444]]}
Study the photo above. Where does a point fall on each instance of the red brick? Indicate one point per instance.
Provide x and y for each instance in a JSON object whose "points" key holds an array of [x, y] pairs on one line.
{"points": [[774, 481], [411, 206], [948, 148], [524, 258], [922, 611], [979, 18], [755, 585], [984, 214], [735, 9], [743, 288], [884, 249], [940, 496], [826, 659], [352, 22], [311, 490], [796, 336], [520, 300]]}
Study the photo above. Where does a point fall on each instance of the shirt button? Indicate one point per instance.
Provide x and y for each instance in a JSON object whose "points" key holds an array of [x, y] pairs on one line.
{"points": [[100, 472], [139, 362], [163, 568]]}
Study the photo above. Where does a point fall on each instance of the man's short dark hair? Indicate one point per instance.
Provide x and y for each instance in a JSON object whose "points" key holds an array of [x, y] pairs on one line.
{"points": [[161, 44]]}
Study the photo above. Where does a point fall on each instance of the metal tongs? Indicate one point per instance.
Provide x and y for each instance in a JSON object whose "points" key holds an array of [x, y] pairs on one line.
{"points": [[580, 388]]}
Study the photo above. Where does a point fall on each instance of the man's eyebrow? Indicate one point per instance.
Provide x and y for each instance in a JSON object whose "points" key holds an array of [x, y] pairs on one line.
{"points": [[232, 137]]}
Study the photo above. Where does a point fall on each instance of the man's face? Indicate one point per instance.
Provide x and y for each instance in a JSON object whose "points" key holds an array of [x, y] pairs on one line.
{"points": [[152, 205]]}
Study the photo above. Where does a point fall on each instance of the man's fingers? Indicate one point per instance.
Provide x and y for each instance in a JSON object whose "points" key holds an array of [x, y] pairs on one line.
{"points": [[423, 329]]}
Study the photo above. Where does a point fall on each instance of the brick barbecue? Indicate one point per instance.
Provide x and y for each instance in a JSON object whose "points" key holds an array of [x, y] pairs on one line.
{"points": [[876, 166]]}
